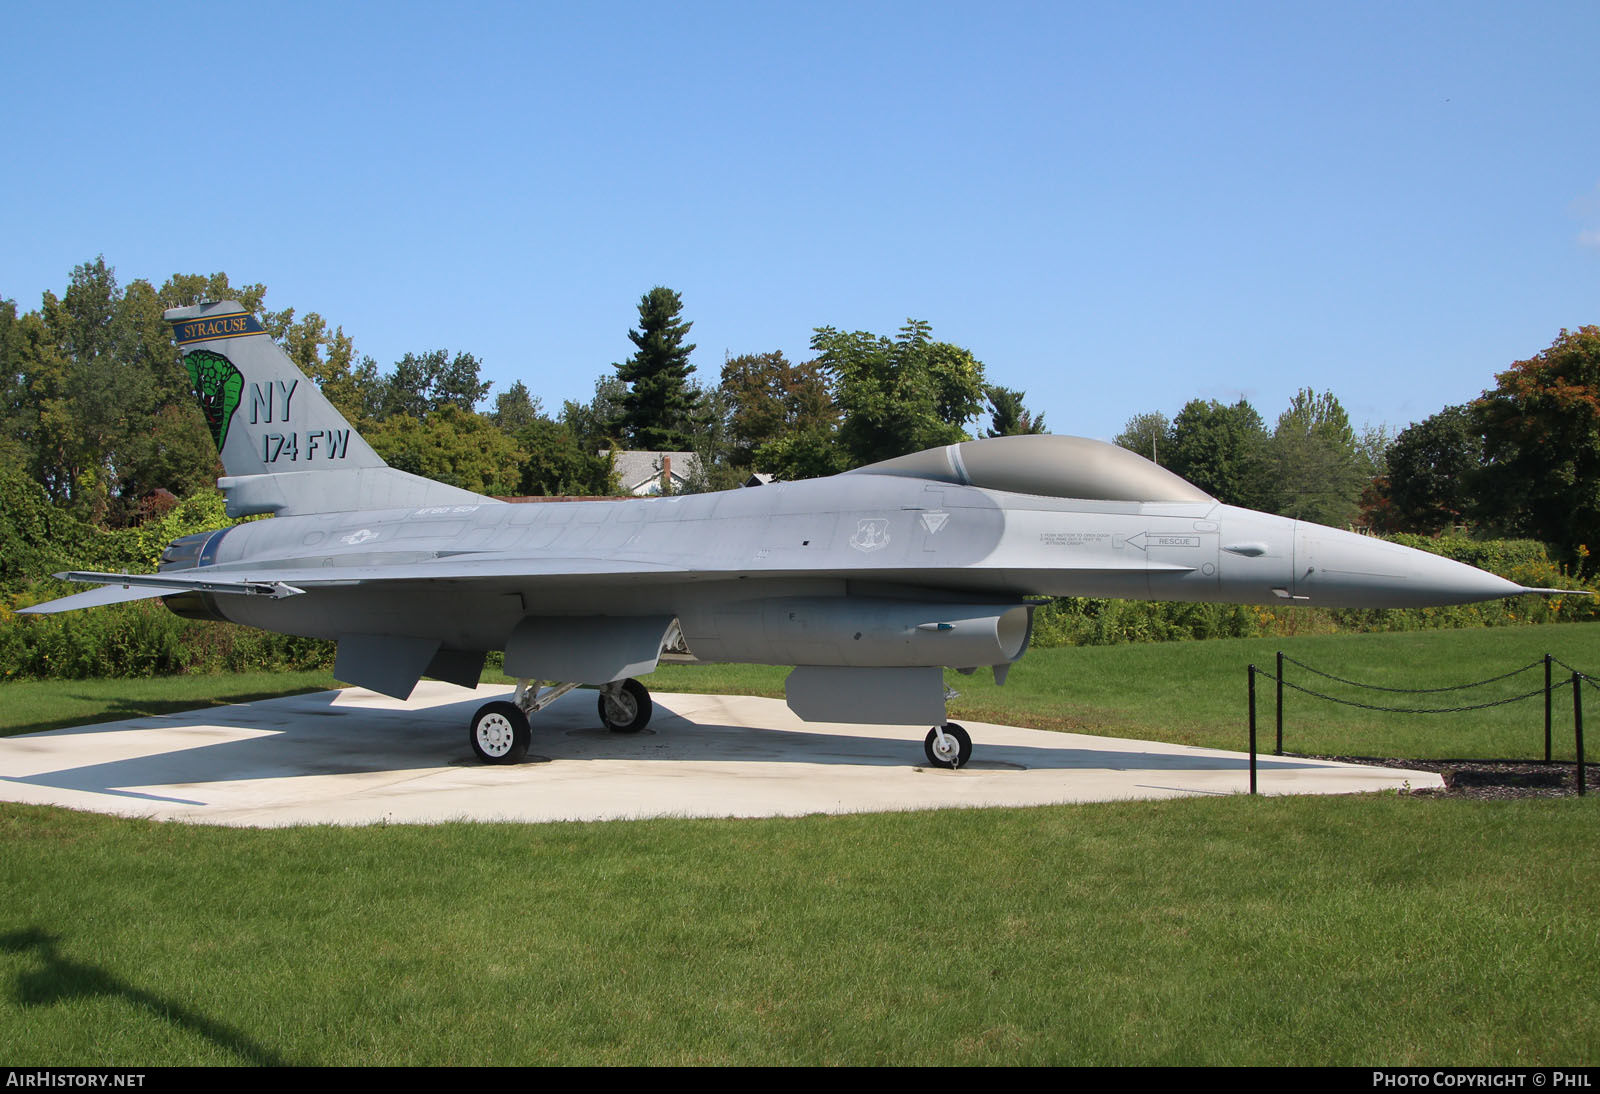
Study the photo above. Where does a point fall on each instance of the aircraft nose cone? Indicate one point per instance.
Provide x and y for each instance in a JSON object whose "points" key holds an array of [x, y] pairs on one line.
{"points": [[1345, 570]]}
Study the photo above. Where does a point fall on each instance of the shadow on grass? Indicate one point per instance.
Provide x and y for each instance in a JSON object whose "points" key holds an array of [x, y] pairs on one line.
{"points": [[61, 979]]}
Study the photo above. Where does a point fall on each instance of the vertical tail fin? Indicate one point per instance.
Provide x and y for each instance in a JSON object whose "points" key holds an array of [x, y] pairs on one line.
{"points": [[284, 447], [264, 414]]}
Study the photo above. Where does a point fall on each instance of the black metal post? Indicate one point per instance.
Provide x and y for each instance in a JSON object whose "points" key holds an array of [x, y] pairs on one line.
{"points": [[1547, 708], [1577, 724], [1252, 729], [1280, 702]]}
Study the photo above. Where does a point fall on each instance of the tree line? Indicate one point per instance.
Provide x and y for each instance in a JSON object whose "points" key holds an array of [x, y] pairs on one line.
{"points": [[1521, 461], [97, 413], [1313, 464], [863, 397]]}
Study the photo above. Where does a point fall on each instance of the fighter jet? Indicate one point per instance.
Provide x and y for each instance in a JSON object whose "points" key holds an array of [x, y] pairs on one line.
{"points": [[870, 583]]}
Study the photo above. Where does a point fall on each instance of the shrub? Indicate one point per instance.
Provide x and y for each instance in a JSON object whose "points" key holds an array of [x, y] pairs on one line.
{"points": [[1094, 621]]}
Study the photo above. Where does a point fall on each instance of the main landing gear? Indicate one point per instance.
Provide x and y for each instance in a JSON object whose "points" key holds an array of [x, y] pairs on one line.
{"points": [[625, 706], [500, 731], [950, 746]]}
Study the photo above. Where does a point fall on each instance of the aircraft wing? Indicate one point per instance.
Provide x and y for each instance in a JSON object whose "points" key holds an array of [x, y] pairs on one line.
{"points": [[278, 582]]}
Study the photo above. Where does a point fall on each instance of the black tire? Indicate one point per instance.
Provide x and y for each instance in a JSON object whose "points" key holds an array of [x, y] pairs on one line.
{"points": [[629, 711], [499, 733], [963, 744]]}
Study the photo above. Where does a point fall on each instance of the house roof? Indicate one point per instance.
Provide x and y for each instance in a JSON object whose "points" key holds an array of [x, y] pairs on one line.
{"points": [[640, 472]]}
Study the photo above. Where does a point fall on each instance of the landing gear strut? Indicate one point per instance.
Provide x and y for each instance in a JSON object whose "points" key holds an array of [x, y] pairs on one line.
{"points": [[500, 732], [949, 747]]}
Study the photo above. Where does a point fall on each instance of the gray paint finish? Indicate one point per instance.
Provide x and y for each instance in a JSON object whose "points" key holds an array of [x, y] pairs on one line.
{"points": [[891, 572]]}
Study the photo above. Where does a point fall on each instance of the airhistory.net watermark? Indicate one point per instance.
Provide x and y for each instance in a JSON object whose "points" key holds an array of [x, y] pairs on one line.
{"points": [[42, 1078]]}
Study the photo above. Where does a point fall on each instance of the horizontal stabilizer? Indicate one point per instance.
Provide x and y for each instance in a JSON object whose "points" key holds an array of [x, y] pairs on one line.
{"points": [[177, 583], [94, 598]]}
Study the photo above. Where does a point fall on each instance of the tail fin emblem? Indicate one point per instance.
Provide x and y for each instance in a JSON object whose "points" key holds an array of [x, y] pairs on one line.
{"points": [[219, 387]]}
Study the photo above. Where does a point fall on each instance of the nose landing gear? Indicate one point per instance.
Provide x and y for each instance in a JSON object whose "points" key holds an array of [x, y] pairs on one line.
{"points": [[948, 747]]}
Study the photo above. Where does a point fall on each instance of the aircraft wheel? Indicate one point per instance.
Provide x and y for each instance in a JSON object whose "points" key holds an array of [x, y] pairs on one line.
{"points": [[957, 748], [626, 709], [500, 733]]}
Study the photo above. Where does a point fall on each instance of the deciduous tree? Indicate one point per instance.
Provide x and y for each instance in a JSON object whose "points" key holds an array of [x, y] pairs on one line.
{"points": [[1148, 434], [515, 408], [96, 402], [1317, 472], [1541, 445], [452, 446], [901, 395], [1222, 450], [555, 463], [1432, 473], [421, 384], [771, 400], [597, 423]]}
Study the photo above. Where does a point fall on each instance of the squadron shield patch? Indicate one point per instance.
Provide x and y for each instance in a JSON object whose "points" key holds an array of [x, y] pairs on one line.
{"points": [[219, 387], [872, 534]]}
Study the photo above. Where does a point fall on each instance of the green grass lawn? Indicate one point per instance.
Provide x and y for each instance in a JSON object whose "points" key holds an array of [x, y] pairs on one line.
{"points": [[1335, 930], [32, 706], [1196, 692], [1361, 930], [1184, 692]]}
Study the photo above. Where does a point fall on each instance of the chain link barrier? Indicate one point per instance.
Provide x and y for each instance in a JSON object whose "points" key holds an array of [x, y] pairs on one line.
{"points": [[1414, 710], [1585, 677], [1548, 690], [1417, 691]]}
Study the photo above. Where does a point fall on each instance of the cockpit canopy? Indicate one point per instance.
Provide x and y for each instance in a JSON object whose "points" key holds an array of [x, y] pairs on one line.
{"points": [[1047, 465]]}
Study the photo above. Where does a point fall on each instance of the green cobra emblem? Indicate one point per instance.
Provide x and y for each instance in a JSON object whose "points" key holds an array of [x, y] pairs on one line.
{"points": [[219, 387]]}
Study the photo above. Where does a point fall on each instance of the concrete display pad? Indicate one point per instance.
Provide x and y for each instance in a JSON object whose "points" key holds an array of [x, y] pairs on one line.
{"points": [[355, 757]]}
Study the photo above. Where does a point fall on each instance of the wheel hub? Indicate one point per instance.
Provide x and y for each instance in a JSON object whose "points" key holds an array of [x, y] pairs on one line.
{"points": [[495, 735], [621, 707]]}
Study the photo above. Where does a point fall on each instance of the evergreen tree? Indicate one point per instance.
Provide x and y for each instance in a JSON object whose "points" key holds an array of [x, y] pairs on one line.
{"points": [[1008, 417], [656, 409]]}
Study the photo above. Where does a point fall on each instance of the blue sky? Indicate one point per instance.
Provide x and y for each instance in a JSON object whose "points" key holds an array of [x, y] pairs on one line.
{"points": [[1116, 207]]}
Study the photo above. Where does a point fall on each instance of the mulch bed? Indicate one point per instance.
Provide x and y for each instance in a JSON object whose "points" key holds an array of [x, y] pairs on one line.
{"points": [[1491, 779]]}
